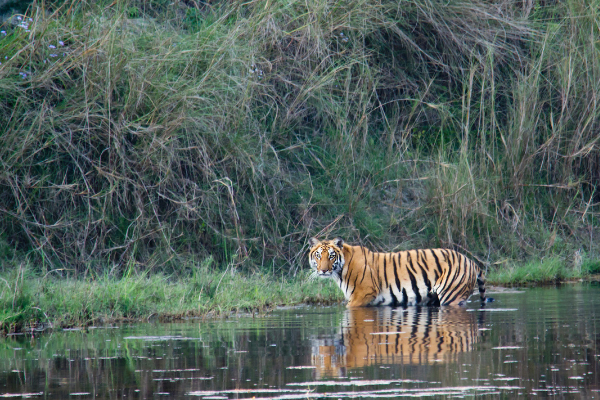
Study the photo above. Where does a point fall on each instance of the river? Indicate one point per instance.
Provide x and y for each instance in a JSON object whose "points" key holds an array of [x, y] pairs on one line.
{"points": [[535, 342]]}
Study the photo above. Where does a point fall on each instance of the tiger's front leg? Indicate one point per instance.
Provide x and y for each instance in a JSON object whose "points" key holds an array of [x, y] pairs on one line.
{"points": [[361, 300]]}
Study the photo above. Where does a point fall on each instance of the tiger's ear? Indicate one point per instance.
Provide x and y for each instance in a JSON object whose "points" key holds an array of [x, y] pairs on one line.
{"points": [[313, 242], [339, 242]]}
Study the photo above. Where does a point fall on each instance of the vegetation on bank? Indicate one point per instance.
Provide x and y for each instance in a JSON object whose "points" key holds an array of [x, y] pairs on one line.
{"points": [[29, 301], [140, 136], [549, 271]]}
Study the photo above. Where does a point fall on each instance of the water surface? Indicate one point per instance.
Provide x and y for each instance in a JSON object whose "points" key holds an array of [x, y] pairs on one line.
{"points": [[538, 342]]}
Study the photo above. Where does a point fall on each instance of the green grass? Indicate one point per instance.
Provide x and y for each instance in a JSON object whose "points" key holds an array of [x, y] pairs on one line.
{"points": [[551, 270], [31, 301], [141, 136]]}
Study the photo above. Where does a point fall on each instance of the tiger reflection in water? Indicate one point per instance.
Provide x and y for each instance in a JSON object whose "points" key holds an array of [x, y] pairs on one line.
{"points": [[386, 335]]}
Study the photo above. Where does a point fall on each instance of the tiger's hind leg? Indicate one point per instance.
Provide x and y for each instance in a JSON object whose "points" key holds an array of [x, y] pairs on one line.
{"points": [[481, 285], [453, 295]]}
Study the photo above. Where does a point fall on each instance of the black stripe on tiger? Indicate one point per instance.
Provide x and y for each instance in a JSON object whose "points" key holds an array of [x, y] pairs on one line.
{"points": [[398, 285], [437, 261], [413, 281], [385, 279], [423, 271]]}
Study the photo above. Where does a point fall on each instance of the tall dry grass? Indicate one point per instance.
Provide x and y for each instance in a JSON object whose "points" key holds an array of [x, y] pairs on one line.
{"points": [[147, 133]]}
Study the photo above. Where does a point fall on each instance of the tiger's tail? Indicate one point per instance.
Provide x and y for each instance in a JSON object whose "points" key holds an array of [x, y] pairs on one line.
{"points": [[481, 285]]}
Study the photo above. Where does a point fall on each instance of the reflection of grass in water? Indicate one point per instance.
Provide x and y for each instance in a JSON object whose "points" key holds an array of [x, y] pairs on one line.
{"points": [[27, 298], [103, 360]]}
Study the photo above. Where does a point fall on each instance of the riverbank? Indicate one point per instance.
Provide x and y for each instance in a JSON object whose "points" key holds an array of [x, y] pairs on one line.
{"points": [[31, 302], [548, 271]]}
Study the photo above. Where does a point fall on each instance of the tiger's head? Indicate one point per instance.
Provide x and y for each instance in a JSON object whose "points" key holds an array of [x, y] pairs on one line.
{"points": [[327, 257]]}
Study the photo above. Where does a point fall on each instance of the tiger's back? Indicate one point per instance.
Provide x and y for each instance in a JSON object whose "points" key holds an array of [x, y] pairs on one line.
{"points": [[429, 276]]}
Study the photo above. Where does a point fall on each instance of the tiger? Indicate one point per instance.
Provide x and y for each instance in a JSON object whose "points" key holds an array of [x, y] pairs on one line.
{"points": [[386, 335], [432, 277]]}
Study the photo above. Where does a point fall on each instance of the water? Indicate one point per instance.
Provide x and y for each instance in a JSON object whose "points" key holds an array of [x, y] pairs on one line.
{"points": [[538, 342]]}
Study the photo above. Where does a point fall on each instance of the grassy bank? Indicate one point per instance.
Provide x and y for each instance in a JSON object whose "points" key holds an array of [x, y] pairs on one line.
{"points": [[29, 300], [32, 302], [140, 136], [548, 271]]}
